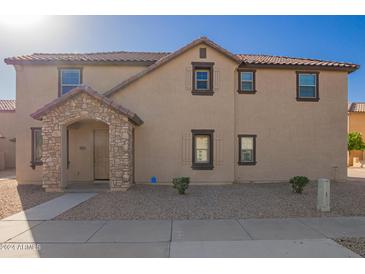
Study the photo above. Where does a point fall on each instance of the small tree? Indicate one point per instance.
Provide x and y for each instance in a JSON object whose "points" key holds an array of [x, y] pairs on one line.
{"points": [[355, 141]]}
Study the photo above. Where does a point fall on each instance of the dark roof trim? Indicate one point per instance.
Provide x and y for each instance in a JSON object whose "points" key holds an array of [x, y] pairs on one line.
{"points": [[78, 62], [168, 58], [85, 89], [296, 67]]}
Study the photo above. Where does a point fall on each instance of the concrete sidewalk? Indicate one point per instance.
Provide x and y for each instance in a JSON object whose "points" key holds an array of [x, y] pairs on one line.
{"points": [[52, 208], [295, 237]]}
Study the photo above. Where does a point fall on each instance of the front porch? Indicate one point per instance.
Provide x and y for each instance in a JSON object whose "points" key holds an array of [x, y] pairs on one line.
{"points": [[86, 137], [92, 186]]}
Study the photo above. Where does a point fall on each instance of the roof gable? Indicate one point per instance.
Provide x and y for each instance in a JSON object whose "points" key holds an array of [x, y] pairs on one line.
{"points": [[168, 58], [96, 95]]}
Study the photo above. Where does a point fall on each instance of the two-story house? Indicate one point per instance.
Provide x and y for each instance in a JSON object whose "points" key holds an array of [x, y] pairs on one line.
{"points": [[201, 112]]}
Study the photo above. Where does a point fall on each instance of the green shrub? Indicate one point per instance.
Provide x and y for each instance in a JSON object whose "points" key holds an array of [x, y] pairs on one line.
{"points": [[355, 141], [298, 183], [181, 184]]}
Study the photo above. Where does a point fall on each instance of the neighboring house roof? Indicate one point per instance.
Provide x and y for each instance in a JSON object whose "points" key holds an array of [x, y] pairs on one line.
{"points": [[357, 107], [87, 58], [7, 105], [168, 58], [85, 89]]}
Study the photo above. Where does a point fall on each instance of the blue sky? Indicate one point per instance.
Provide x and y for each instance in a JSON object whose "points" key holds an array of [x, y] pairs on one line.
{"points": [[339, 38]]}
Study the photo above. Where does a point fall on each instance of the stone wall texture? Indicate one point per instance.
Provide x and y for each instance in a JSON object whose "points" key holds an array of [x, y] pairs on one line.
{"points": [[80, 107]]}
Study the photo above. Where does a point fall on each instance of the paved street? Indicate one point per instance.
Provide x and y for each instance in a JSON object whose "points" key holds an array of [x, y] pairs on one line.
{"points": [[302, 237]]}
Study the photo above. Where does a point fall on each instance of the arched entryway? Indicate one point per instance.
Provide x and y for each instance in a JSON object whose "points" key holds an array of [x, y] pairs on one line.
{"points": [[87, 155], [84, 113]]}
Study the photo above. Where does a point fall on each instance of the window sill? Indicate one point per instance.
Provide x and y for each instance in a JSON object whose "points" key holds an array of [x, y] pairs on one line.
{"points": [[202, 92], [202, 167], [247, 163], [307, 99], [247, 92], [34, 164]]}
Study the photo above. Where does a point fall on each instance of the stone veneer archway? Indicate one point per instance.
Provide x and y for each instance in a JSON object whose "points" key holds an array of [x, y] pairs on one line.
{"points": [[80, 106]]}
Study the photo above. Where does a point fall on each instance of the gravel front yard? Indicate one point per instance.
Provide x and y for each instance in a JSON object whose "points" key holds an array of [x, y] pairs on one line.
{"points": [[218, 202], [357, 245], [14, 198]]}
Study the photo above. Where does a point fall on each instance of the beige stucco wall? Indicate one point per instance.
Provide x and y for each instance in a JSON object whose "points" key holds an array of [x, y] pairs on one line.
{"points": [[164, 101], [7, 148], [37, 86], [357, 122], [293, 138]]}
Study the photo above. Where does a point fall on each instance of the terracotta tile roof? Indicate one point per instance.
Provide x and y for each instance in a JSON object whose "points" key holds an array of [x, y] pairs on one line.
{"points": [[98, 96], [79, 58], [357, 107], [157, 59], [7, 105], [152, 57], [254, 59]]}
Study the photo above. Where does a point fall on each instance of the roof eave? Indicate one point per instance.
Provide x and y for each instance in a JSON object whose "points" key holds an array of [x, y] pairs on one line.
{"points": [[60, 63], [289, 66]]}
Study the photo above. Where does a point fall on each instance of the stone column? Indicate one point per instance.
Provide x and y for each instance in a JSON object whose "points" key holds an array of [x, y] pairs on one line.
{"points": [[51, 154], [120, 154]]}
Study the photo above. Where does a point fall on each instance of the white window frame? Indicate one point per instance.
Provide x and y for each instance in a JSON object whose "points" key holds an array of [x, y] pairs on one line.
{"points": [[207, 80], [315, 85], [68, 85], [247, 81]]}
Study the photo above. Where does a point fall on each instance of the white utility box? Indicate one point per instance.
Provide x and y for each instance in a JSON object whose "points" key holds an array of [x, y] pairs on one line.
{"points": [[323, 196]]}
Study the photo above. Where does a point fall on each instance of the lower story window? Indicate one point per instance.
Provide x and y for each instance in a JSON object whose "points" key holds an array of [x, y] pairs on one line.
{"points": [[202, 157], [247, 149], [36, 146]]}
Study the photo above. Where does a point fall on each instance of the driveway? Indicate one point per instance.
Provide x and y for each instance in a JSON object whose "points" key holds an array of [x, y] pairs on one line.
{"points": [[295, 237], [356, 173]]}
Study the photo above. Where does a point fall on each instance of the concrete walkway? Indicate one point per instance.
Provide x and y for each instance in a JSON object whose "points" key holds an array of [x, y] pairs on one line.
{"points": [[356, 174], [52, 208], [296, 237]]}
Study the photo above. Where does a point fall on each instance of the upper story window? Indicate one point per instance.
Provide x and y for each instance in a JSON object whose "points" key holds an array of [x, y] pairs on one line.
{"points": [[69, 78], [247, 149], [36, 146], [246, 82], [202, 149], [307, 86], [202, 78]]}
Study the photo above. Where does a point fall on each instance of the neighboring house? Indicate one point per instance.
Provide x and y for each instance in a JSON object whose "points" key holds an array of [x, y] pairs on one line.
{"points": [[356, 123], [200, 111], [7, 134]]}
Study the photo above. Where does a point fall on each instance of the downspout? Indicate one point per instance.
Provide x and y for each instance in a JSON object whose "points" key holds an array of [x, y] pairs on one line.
{"points": [[235, 143]]}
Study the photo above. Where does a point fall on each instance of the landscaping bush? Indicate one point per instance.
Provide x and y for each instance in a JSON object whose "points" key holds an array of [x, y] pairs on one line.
{"points": [[181, 184], [355, 141], [298, 183]]}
